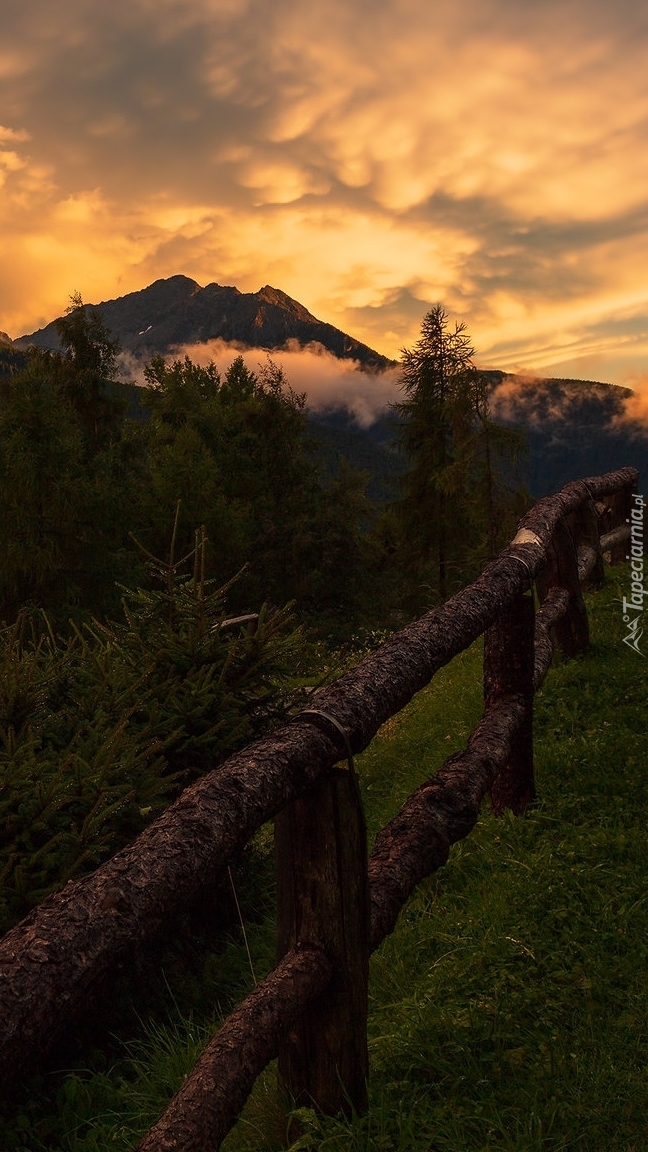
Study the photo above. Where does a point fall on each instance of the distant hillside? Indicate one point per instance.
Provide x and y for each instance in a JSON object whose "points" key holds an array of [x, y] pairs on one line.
{"points": [[178, 311], [574, 428], [373, 450]]}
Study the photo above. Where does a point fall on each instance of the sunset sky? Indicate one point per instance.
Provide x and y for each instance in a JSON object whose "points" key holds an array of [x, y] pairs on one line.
{"points": [[370, 158]]}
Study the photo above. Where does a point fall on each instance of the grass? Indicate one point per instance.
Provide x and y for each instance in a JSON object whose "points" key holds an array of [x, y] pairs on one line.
{"points": [[509, 1008]]}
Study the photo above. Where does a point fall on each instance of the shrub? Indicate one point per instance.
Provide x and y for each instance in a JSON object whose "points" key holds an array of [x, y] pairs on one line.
{"points": [[99, 731]]}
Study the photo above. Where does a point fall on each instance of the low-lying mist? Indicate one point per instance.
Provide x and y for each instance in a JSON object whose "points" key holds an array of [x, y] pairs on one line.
{"points": [[331, 384]]}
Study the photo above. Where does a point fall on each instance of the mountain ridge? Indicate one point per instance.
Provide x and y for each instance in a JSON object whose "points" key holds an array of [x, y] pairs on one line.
{"points": [[177, 311]]}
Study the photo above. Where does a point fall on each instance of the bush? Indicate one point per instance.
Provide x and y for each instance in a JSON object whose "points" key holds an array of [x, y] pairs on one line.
{"points": [[99, 731]]}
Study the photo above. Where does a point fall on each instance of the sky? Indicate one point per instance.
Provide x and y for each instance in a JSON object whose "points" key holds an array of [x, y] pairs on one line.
{"points": [[369, 157]]}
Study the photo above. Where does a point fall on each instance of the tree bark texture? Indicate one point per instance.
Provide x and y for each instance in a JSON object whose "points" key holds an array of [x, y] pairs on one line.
{"points": [[561, 570], [588, 563], [58, 963], [552, 609], [621, 504], [211, 1098], [613, 540], [323, 900], [584, 527], [509, 656]]}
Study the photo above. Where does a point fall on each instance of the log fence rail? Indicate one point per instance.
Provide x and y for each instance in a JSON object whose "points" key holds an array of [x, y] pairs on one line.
{"points": [[335, 904]]}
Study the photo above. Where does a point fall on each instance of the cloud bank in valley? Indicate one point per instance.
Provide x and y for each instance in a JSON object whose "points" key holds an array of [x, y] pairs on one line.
{"points": [[326, 381], [634, 418], [536, 401], [329, 383], [369, 159]]}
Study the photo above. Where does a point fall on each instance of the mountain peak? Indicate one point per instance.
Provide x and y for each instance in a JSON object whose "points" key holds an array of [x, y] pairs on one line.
{"points": [[177, 281], [176, 312], [281, 299]]}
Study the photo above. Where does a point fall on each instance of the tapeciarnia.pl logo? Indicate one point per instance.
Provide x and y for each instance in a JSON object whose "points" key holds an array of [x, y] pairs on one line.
{"points": [[634, 606]]}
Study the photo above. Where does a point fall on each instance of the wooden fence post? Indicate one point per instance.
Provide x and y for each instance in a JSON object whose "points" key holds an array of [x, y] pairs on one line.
{"points": [[571, 632], [621, 504], [323, 900], [508, 671], [584, 527]]}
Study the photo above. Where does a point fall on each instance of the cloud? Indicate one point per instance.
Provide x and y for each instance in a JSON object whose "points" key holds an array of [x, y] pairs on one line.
{"points": [[634, 418], [533, 402], [368, 158], [326, 381]]}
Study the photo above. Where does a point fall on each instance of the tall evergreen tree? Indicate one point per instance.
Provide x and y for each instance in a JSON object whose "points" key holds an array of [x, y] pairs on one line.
{"points": [[68, 476], [86, 370], [234, 452], [43, 493], [453, 493]]}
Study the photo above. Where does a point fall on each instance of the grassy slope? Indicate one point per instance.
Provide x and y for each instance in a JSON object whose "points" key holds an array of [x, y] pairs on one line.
{"points": [[509, 1008], [511, 1003]]}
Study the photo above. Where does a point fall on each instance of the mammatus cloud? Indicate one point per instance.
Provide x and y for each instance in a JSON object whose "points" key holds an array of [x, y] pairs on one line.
{"points": [[326, 381], [369, 159]]}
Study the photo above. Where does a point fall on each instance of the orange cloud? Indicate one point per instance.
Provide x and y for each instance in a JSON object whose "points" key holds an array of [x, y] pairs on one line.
{"points": [[636, 407], [368, 159]]}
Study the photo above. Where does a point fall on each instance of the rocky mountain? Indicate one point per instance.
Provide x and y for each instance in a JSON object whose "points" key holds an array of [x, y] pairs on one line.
{"points": [[177, 311]]}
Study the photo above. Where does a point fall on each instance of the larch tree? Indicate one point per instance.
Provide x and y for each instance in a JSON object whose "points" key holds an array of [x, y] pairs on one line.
{"points": [[453, 492]]}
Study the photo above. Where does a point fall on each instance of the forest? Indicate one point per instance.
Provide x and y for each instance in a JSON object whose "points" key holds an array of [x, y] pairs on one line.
{"points": [[95, 474], [172, 579]]}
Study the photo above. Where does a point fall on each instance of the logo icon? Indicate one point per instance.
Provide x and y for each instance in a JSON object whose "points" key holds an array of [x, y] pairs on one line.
{"points": [[634, 633]]}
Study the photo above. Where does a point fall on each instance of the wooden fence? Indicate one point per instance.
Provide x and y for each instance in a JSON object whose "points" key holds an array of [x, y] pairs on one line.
{"points": [[335, 904]]}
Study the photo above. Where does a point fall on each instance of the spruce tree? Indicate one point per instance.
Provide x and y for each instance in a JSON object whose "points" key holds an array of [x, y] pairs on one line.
{"points": [[235, 453], [86, 370], [69, 476]]}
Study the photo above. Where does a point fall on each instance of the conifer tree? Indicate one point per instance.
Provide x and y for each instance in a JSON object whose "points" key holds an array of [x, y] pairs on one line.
{"points": [[68, 476], [453, 492], [85, 370], [43, 493]]}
